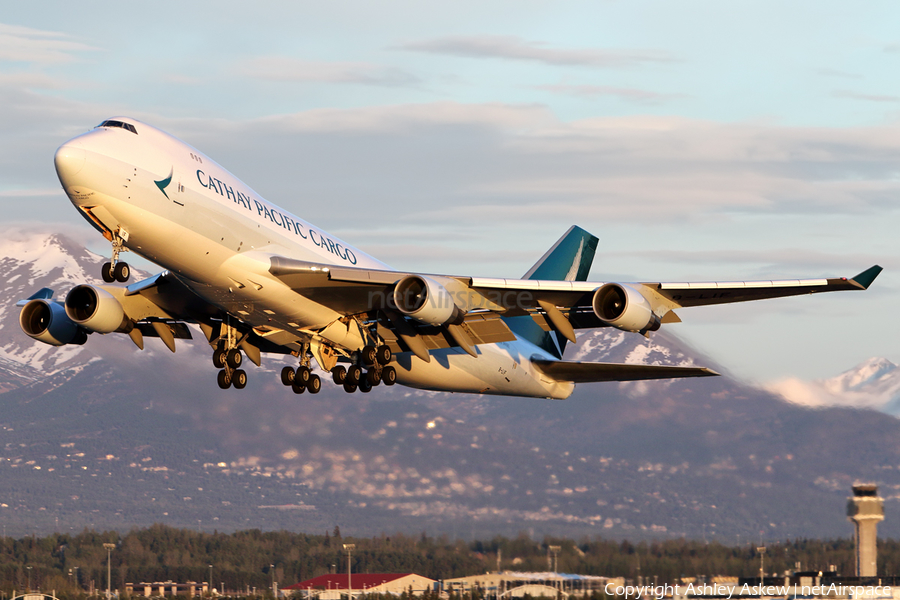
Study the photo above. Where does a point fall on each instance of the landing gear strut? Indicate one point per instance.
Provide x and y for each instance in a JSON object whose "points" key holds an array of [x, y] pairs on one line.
{"points": [[115, 270]]}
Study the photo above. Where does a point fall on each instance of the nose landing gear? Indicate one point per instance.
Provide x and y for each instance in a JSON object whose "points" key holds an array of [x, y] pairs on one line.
{"points": [[115, 270]]}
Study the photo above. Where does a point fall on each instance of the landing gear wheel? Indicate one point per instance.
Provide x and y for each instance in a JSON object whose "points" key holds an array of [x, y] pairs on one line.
{"points": [[239, 379], [383, 355], [302, 375], [223, 379], [389, 375], [354, 374], [219, 359], [364, 385], [122, 272], [234, 358], [298, 387], [373, 377], [106, 272], [287, 375], [368, 355], [314, 384], [338, 375], [349, 387]]}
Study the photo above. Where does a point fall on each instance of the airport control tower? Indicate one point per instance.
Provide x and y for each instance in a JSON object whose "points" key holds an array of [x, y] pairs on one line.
{"points": [[866, 509]]}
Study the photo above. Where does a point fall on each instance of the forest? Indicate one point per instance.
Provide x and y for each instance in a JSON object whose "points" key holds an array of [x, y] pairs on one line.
{"points": [[73, 564]]}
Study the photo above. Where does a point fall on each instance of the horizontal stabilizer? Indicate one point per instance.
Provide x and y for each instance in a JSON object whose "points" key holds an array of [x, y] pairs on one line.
{"points": [[587, 372]]}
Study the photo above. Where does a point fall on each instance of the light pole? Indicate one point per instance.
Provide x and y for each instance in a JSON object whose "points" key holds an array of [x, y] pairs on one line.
{"points": [[29, 579], [272, 571], [762, 573], [210, 589], [349, 548], [109, 549]]}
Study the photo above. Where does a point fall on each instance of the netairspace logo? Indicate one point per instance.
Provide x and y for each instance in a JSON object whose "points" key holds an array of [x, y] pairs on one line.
{"points": [[732, 591]]}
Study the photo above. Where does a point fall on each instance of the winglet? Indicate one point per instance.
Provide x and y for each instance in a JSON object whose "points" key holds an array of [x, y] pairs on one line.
{"points": [[866, 278]]}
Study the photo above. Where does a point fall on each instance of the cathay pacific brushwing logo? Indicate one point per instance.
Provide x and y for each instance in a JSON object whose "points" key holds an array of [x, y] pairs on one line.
{"points": [[162, 184]]}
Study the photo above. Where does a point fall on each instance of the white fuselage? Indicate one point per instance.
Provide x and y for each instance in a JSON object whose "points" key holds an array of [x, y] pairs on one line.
{"points": [[217, 234]]}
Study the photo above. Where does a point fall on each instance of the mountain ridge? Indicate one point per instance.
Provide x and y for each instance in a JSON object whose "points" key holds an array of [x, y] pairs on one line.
{"points": [[111, 436]]}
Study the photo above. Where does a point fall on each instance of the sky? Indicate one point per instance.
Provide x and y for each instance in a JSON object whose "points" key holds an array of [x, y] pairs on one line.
{"points": [[699, 140]]}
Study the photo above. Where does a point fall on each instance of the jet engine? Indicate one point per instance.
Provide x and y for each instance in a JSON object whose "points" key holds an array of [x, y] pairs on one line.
{"points": [[46, 321], [96, 310], [625, 308], [426, 300]]}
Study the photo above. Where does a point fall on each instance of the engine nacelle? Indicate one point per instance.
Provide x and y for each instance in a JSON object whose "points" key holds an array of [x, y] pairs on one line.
{"points": [[96, 310], [426, 300], [47, 322], [623, 307]]}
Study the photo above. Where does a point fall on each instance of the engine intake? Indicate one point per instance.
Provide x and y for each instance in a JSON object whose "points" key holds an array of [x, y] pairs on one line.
{"points": [[96, 310], [625, 308], [426, 300], [47, 322]]}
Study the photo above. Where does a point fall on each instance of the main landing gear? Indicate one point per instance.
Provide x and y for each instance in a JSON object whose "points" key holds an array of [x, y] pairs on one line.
{"points": [[115, 270], [301, 379], [227, 357], [377, 371]]}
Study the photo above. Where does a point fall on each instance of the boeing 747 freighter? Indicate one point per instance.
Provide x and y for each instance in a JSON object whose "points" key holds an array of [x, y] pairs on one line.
{"points": [[256, 279]]}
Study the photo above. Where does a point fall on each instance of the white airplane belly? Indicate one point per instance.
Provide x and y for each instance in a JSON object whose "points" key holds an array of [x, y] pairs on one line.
{"points": [[499, 369]]}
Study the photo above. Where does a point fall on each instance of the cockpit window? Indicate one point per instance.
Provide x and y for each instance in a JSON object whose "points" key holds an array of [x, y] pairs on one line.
{"points": [[120, 124]]}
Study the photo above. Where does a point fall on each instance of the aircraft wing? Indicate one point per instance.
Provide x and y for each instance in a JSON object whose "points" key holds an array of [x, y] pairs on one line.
{"points": [[588, 372], [559, 305]]}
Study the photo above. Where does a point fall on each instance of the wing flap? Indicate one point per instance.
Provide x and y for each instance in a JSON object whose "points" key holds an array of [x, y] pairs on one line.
{"points": [[588, 372]]}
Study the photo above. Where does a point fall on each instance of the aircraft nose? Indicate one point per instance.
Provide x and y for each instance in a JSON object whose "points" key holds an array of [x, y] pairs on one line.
{"points": [[69, 160]]}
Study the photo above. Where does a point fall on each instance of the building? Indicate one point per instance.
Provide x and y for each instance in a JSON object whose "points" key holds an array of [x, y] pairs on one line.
{"points": [[516, 584], [333, 586], [866, 509]]}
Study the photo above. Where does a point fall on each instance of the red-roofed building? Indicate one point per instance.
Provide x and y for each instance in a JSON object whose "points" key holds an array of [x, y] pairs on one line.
{"points": [[333, 586]]}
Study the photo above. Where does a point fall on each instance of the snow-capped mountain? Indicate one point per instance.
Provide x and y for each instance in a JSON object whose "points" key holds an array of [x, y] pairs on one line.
{"points": [[873, 384], [636, 459]]}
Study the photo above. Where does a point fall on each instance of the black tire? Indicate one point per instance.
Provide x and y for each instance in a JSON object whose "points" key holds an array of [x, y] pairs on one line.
{"points": [[314, 385], [302, 375], [349, 387], [122, 272], [338, 375], [389, 375], [298, 387], [364, 386], [354, 375], [234, 358], [287, 375], [223, 379], [373, 377], [106, 272], [239, 379], [384, 355], [367, 354], [219, 359]]}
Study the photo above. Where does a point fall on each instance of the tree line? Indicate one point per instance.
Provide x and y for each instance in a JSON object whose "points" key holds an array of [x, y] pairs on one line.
{"points": [[253, 559]]}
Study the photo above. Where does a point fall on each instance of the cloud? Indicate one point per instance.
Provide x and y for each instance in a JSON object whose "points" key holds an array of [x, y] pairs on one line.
{"points": [[867, 97], [829, 72], [515, 48], [594, 91], [874, 384], [24, 44], [282, 68], [518, 162]]}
